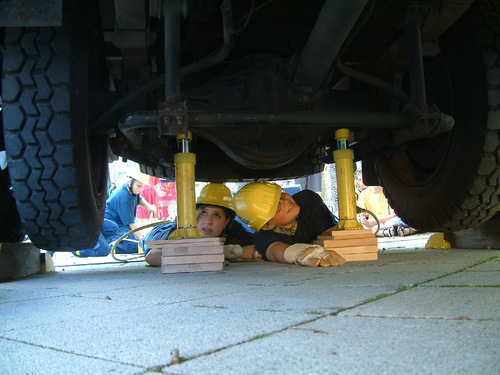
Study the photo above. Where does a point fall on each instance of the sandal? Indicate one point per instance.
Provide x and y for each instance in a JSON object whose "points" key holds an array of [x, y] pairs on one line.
{"points": [[389, 232], [406, 231]]}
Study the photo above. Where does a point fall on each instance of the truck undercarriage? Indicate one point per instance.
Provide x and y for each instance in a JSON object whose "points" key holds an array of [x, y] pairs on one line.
{"points": [[262, 85]]}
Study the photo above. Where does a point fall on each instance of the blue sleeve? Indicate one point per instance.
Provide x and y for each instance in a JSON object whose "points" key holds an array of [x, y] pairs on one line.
{"points": [[158, 233]]}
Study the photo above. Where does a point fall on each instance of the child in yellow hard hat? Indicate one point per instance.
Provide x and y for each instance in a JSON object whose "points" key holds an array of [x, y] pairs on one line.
{"points": [[215, 218], [286, 225]]}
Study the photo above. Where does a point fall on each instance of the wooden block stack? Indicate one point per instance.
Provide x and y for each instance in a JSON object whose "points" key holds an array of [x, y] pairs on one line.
{"points": [[352, 245], [190, 255]]}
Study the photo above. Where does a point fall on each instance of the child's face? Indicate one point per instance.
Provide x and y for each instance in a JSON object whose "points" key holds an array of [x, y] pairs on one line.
{"points": [[212, 221], [286, 212], [137, 186]]}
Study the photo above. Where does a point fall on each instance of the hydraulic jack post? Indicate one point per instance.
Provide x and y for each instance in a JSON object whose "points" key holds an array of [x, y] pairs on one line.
{"points": [[185, 185], [348, 239], [344, 162]]}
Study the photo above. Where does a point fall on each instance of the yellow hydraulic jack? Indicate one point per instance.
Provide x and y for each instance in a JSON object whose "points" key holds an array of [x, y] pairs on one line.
{"points": [[344, 162], [185, 180]]}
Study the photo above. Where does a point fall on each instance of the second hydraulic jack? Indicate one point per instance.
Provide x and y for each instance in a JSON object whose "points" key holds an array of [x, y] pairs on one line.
{"points": [[344, 162], [186, 195]]}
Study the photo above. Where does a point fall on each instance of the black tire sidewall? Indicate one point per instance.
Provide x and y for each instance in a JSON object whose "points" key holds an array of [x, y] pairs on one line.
{"points": [[62, 190], [456, 194]]}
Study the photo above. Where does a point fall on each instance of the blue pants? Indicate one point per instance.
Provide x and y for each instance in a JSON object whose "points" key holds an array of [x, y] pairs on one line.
{"points": [[110, 232], [102, 248], [125, 246]]}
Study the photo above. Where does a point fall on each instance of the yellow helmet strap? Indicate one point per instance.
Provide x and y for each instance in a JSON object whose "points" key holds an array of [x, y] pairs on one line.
{"points": [[130, 184]]}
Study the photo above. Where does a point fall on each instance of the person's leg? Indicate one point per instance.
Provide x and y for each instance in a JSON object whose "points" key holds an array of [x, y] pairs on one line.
{"points": [[109, 228], [393, 222], [388, 232], [404, 229], [101, 249], [128, 245], [388, 228]]}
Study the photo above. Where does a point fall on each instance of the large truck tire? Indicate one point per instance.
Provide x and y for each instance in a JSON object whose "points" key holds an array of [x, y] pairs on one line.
{"points": [[451, 182], [58, 171], [11, 229]]}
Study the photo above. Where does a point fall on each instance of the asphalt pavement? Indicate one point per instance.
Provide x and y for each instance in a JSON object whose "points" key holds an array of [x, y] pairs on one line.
{"points": [[413, 311]]}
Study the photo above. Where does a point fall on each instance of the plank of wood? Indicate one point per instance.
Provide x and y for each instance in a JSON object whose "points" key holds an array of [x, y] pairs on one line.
{"points": [[187, 242], [355, 233], [355, 250], [200, 267], [346, 243], [360, 257], [190, 259], [191, 250], [484, 236], [340, 238]]}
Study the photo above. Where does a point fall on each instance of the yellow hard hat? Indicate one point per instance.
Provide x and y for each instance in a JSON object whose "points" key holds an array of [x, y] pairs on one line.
{"points": [[216, 194], [256, 203], [136, 174]]}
